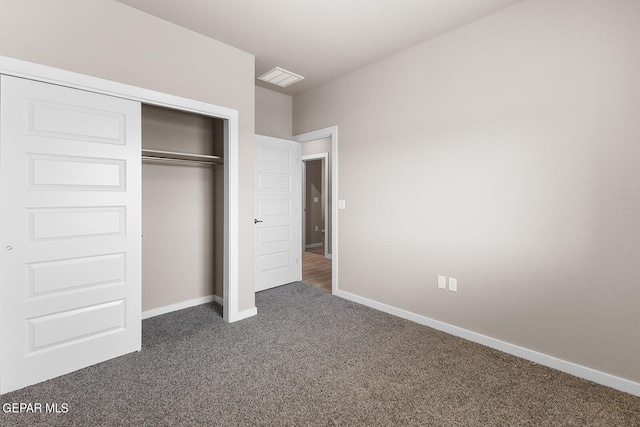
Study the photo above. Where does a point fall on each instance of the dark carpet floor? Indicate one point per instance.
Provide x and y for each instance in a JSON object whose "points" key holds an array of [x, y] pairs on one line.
{"points": [[312, 359]]}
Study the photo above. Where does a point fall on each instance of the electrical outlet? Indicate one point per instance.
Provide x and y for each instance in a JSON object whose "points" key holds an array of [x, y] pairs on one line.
{"points": [[453, 284], [316, 228], [442, 282]]}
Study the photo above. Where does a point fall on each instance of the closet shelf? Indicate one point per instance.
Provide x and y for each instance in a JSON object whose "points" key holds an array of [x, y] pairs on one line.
{"points": [[178, 156]]}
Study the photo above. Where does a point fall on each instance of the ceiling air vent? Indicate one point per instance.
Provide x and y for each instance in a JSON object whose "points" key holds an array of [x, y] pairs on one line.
{"points": [[280, 77]]}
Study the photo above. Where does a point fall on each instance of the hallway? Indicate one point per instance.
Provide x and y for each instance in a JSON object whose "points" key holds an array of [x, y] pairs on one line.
{"points": [[316, 269]]}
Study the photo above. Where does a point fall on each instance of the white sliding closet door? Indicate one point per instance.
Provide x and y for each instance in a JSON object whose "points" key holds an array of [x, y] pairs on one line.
{"points": [[70, 230]]}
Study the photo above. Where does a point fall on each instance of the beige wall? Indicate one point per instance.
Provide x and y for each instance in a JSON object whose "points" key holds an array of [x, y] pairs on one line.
{"points": [[273, 113], [504, 154], [107, 39], [177, 224]]}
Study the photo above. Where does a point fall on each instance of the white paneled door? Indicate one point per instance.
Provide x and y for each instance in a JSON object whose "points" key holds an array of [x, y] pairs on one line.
{"points": [[277, 220], [70, 230]]}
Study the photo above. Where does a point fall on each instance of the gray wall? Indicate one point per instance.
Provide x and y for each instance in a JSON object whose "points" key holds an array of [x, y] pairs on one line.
{"points": [[274, 113], [107, 39], [504, 154]]}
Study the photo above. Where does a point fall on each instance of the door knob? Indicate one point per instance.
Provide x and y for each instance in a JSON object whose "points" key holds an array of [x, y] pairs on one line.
{"points": [[255, 221]]}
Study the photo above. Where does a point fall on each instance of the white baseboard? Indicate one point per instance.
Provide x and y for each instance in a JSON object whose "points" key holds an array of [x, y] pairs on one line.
{"points": [[574, 369], [180, 306], [198, 301], [313, 245], [218, 300], [241, 315]]}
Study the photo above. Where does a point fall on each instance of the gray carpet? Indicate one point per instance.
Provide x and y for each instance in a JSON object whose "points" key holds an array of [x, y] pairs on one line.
{"points": [[310, 358]]}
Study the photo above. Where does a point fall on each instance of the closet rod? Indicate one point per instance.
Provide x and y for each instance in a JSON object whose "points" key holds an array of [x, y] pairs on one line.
{"points": [[176, 155], [170, 156], [170, 160]]}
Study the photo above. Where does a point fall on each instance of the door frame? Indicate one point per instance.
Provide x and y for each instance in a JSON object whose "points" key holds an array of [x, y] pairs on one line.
{"points": [[329, 132], [325, 198], [46, 74]]}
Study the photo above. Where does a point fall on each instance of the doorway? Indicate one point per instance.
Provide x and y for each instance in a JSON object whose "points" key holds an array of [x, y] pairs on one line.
{"points": [[316, 262], [319, 256], [315, 206], [328, 139]]}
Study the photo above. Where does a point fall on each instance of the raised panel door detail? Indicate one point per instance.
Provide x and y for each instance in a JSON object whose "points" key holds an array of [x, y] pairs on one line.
{"points": [[78, 274], [274, 156], [55, 120], [49, 172], [274, 261], [274, 182], [274, 207], [274, 234], [74, 223], [71, 326]]}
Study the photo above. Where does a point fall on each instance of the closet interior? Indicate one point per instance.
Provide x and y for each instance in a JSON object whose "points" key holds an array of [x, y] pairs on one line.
{"points": [[182, 207]]}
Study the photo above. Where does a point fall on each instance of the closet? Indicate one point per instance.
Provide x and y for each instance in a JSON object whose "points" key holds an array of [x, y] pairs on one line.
{"points": [[74, 170], [182, 209]]}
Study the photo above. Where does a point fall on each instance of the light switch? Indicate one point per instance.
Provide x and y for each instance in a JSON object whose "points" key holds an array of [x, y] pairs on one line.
{"points": [[342, 204], [315, 200], [442, 282]]}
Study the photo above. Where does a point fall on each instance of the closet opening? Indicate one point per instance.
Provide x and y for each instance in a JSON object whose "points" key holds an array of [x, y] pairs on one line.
{"points": [[183, 172]]}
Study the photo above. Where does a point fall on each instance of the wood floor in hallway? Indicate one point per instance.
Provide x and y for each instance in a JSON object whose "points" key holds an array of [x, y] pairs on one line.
{"points": [[316, 270]]}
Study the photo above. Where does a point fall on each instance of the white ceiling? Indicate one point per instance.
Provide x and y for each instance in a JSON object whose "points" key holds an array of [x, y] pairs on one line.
{"points": [[319, 39]]}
